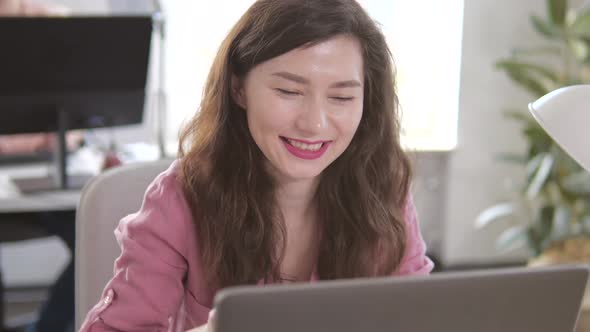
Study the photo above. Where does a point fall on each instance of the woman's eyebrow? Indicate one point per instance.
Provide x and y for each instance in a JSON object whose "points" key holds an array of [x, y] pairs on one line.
{"points": [[302, 80]]}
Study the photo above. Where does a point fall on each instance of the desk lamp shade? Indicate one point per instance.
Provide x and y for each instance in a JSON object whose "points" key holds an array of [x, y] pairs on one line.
{"points": [[565, 115]]}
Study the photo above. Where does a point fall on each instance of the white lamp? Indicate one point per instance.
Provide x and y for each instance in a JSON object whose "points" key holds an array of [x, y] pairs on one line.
{"points": [[565, 115]]}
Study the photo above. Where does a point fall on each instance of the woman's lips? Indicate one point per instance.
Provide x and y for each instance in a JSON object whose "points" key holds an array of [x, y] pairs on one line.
{"points": [[305, 149]]}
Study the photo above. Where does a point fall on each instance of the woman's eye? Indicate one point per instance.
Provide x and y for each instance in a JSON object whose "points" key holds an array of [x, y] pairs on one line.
{"points": [[343, 99], [288, 92]]}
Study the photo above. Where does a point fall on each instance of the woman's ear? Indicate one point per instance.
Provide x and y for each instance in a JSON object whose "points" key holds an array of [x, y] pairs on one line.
{"points": [[237, 91]]}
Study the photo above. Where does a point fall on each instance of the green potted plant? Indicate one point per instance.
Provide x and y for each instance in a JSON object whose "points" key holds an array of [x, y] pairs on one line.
{"points": [[551, 212]]}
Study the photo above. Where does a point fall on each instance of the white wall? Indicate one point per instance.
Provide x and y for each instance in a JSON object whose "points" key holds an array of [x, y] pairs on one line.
{"points": [[476, 180]]}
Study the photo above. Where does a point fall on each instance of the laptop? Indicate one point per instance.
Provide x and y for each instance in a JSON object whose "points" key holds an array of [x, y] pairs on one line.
{"points": [[498, 300]]}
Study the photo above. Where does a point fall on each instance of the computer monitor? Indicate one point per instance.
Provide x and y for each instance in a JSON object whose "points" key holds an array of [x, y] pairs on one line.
{"points": [[76, 72]]}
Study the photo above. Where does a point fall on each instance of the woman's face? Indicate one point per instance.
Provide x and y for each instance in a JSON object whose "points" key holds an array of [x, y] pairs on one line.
{"points": [[303, 107]]}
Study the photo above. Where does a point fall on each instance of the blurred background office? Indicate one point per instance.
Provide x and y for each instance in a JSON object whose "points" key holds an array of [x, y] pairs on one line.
{"points": [[47, 304]]}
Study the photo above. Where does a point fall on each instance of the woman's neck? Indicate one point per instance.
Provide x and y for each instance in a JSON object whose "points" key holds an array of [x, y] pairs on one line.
{"points": [[295, 200]]}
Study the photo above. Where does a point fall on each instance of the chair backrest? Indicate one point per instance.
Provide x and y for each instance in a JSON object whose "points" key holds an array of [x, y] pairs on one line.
{"points": [[105, 200]]}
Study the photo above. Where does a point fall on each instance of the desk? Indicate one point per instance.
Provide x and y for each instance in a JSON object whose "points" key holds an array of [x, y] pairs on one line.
{"points": [[13, 201], [18, 211], [41, 202]]}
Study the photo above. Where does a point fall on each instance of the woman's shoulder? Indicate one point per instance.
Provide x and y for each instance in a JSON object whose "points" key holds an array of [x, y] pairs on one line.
{"points": [[164, 211], [167, 187], [170, 175], [166, 193]]}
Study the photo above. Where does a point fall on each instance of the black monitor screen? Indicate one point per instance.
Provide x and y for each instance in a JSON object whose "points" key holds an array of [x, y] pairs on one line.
{"points": [[94, 68]]}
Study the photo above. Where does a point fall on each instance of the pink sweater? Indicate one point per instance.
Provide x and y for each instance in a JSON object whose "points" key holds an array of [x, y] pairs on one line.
{"points": [[158, 283]]}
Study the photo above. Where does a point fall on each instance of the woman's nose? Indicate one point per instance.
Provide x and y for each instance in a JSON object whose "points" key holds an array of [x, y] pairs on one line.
{"points": [[312, 118]]}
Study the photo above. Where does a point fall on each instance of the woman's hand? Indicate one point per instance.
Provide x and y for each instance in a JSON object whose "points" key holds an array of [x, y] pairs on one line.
{"points": [[202, 328], [209, 327]]}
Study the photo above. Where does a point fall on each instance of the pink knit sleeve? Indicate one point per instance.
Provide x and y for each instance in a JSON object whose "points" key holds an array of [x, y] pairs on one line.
{"points": [[147, 288], [414, 261]]}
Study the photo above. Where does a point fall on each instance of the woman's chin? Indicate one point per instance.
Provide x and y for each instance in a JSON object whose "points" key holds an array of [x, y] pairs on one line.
{"points": [[301, 175]]}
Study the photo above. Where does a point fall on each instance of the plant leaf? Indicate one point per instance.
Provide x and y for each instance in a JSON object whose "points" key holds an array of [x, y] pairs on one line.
{"points": [[512, 238], [585, 222], [535, 78], [541, 176], [560, 227], [557, 11], [527, 67], [544, 28], [533, 165], [581, 26], [493, 213], [544, 226], [549, 50], [577, 183], [539, 140], [512, 158], [528, 83], [579, 48]]}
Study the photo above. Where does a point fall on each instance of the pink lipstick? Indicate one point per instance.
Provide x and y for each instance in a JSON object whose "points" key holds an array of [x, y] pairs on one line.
{"points": [[305, 154]]}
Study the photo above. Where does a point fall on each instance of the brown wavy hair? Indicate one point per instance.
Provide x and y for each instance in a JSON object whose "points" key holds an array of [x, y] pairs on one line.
{"points": [[361, 196]]}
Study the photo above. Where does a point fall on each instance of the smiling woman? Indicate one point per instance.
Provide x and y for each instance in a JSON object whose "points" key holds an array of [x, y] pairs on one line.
{"points": [[291, 171]]}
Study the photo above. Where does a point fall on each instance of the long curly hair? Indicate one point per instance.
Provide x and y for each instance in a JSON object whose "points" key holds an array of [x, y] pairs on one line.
{"points": [[361, 196]]}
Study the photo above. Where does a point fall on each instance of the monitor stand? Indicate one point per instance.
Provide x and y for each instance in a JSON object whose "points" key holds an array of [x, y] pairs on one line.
{"points": [[59, 180]]}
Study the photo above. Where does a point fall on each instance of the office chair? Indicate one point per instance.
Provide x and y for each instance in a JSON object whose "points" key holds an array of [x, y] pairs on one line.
{"points": [[105, 200]]}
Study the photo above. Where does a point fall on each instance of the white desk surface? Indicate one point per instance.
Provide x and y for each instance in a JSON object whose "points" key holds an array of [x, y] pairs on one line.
{"points": [[85, 160], [13, 201]]}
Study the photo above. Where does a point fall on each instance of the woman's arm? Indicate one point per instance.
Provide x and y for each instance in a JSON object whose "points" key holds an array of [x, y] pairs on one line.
{"points": [[415, 261], [147, 289]]}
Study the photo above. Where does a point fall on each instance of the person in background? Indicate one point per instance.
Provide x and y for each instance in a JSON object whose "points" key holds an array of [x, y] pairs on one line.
{"points": [[57, 313], [291, 171], [30, 8], [34, 143]]}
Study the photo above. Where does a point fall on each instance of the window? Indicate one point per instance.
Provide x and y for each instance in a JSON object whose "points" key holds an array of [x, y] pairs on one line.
{"points": [[424, 36]]}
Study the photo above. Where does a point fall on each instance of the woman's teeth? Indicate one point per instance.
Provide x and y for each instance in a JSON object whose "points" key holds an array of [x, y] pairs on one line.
{"points": [[303, 146]]}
